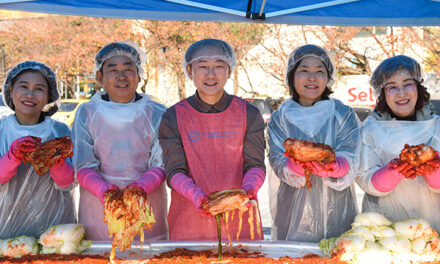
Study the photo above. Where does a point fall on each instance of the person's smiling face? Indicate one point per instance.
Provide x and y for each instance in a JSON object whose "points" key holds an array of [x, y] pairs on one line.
{"points": [[30, 93], [209, 75], [401, 93], [310, 80], [120, 78]]}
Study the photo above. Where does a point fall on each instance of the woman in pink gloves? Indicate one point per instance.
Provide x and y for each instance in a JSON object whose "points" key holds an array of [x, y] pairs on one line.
{"points": [[29, 204], [401, 117], [115, 141], [212, 141], [329, 207]]}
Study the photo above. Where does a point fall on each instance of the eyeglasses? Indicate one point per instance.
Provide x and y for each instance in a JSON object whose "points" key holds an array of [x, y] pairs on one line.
{"points": [[407, 88]]}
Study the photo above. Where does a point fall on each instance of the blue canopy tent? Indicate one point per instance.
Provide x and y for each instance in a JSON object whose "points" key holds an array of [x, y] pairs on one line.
{"points": [[300, 12]]}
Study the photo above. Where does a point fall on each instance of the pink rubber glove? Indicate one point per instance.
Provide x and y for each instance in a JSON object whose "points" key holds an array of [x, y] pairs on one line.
{"points": [[185, 186], [12, 159], [336, 169], [8, 167], [431, 172], [90, 180], [151, 179], [388, 177], [23, 145], [252, 181], [297, 167], [62, 173]]}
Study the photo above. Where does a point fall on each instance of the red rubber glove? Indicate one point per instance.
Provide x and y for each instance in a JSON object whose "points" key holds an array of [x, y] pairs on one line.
{"points": [[388, 177], [90, 180], [185, 186], [336, 169], [252, 181], [62, 173], [23, 145], [151, 179]]}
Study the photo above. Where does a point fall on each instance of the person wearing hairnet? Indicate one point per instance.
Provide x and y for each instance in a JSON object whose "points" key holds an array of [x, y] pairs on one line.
{"points": [[398, 190], [212, 141], [329, 207], [115, 141], [29, 203]]}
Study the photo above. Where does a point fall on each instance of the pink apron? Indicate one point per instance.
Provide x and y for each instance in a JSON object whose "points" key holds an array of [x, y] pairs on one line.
{"points": [[213, 145]]}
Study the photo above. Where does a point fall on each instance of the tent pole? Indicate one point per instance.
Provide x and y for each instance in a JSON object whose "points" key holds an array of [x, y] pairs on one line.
{"points": [[308, 7], [209, 7], [248, 10], [262, 8]]}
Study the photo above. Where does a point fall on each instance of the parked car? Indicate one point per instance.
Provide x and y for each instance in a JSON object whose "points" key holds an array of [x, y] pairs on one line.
{"points": [[362, 112], [262, 105], [434, 104], [67, 111]]}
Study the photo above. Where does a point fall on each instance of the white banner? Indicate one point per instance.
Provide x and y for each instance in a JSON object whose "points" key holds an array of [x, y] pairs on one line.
{"points": [[354, 90]]}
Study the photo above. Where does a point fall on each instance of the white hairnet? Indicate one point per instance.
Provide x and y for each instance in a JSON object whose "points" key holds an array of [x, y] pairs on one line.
{"points": [[29, 203], [382, 141], [392, 65], [120, 142], [329, 207], [309, 50], [125, 48], [48, 74], [221, 48]]}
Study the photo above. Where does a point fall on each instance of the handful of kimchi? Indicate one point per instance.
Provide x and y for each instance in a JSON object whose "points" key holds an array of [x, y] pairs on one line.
{"points": [[305, 151], [127, 213], [49, 152], [417, 155], [227, 200]]}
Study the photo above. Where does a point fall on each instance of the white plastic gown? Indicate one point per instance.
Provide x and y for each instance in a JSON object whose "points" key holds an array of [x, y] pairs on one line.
{"points": [[120, 142], [329, 207], [30, 204], [382, 141]]}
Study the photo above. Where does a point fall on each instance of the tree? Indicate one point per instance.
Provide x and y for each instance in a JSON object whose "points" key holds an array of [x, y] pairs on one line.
{"points": [[66, 43], [353, 49], [356, 47], [167, 42]]}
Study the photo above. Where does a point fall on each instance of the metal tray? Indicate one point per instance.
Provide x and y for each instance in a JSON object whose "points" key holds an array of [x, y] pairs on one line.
{"points": [[273, 249]]}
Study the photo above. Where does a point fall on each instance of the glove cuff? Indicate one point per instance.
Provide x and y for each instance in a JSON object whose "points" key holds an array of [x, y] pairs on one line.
{"points": [[386, 179], [342, 168], [433, 180], [90, 180], [185, 186], [151, 179], [295, 168], [252, 180], [62, 175]]}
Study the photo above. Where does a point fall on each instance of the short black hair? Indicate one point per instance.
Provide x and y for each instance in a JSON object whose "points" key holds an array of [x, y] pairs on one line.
{"points": [[291, 82]]}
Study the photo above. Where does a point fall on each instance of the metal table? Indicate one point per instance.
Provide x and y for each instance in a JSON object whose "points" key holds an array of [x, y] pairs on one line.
{"points": [[273, 249]]}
